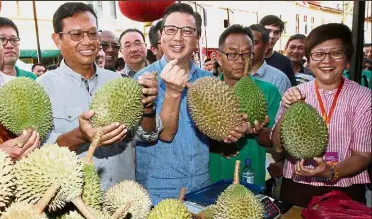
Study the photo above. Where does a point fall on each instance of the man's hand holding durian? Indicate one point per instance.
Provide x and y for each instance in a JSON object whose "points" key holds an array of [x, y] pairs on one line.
{"points": [[149, 83], [31, 139]]}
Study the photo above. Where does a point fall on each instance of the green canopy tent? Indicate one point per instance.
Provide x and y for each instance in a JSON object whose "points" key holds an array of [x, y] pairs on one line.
{"points": [[32, 53]]}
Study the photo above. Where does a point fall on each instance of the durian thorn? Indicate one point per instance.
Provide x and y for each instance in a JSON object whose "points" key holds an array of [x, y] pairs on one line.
{"points": [[236, 173], [122, 211], [81, 206], [181, 197], [49, 194], [93, 145]]}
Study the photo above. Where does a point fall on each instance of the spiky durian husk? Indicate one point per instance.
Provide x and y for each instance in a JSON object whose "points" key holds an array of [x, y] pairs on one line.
{"points": [[7, 184], [36, 173], [208, 212], [214, 107], [128, 192], [252, 99], [25, 104], [170, 209], [118, 100], [237, 202], [303, 131], [92, 194], [76, 215], [22, 210]]}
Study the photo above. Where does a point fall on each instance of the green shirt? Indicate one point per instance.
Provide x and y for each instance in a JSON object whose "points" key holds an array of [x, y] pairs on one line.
{"points": [[222, 168], [366, 79], [23, 73]]}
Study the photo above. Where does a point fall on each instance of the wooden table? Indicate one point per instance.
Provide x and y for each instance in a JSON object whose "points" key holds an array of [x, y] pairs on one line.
{"points": [[293, 213]]}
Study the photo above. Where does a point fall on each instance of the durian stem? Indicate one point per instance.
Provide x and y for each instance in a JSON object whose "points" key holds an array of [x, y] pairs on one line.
{"points": [[44, 201], [93, 145], [181, 197], [246, 70], [236, 172], [80, 205], [122, 211]]}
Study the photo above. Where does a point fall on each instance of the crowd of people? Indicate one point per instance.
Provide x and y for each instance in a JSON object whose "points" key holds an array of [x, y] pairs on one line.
{"points": [[166, 151]]}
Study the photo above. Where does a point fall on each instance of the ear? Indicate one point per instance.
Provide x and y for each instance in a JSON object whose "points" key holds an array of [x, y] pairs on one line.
{"points": [[153, 49], [348, 64], [56, 40], [219, 58]]}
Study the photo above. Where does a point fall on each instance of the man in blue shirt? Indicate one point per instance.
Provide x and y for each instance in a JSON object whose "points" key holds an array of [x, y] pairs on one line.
{"points": [[180, 158]]}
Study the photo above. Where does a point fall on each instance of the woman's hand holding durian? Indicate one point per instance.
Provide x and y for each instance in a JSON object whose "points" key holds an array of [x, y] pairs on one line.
{"points": [[31, 139], [111, 133], [322, 169], [291, 96]]}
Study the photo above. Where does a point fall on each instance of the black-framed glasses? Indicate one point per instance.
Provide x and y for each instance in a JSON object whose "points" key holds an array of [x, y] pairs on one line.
{"points": [[106, 46], [77, 35], [13, 41], [320, 56], [185, 31], [232, 56]]}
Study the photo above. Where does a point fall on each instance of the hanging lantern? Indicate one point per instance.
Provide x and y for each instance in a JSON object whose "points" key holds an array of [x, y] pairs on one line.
{"points": [[144, 10]]}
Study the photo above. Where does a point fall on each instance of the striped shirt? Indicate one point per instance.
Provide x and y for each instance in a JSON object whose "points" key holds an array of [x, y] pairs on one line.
{"points": [[349, 129]]}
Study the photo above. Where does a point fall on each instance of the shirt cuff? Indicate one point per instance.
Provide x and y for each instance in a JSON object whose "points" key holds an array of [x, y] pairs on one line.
{"points": [[143, 136]]}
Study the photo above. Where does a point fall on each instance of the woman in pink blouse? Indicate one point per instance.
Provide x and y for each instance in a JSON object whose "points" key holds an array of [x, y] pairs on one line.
{"points": [[346, 108]]}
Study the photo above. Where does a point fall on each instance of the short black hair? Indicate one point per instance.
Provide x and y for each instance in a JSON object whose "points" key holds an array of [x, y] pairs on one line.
{"points": [[187, 9], [119, 62], [367, 45], [330, 31], [207, 60], [272, 20], [51, 67], [129, 30], [153, 33], [260, 28], [36, 64], [296, 37], [67, 10], [151, 58], [6, 22], [234, 29]]}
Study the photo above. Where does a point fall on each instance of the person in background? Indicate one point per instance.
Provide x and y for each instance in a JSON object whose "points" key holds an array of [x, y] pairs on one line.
{"points": [[208, 65], [150, 57], [275, 26], [71, 88], [235, 50], [154, 37], [180, 157], [111, 47], [120, 65], [295, 51], [260, 68], [101, 59], [328, 49], [10, 40], [51, 67], [38, 69], [133, 48]]}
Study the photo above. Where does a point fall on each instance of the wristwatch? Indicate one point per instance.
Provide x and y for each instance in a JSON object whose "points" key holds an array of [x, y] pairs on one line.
{"points": [[335, 174], [153, 112]]}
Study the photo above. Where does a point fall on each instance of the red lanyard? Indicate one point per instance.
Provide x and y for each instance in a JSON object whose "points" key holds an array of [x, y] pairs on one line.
{"points": [[327, 118]]}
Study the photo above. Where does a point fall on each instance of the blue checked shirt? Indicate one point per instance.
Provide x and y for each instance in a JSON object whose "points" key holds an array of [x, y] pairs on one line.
{"points": [[164, 168], [70, 95]]}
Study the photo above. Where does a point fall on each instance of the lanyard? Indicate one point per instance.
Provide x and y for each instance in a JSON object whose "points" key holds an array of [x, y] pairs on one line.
{"points": [[327, 118]]}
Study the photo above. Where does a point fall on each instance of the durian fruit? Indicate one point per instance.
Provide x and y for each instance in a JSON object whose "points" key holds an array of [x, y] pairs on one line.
{"points": [[237, 202], [170, 209], [25, 104], [207, 213], [118, 100], [127, 193], [75, 215], [7, 184], [22, 210], [303, 131], [252, 100], [214, 107], [92, 194]]}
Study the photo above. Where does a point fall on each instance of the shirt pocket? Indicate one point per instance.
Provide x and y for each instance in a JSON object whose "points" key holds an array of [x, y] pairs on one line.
{"points": [[66, 118]]}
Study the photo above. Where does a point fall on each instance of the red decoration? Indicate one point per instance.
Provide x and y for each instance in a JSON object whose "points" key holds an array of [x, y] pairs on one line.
{"points": [[144, 10], [0, 5]]}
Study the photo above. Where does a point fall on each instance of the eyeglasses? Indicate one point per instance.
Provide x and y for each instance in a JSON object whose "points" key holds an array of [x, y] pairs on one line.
{"points": [[276, 32], [320, 56], [235, 56], [106, 46], [136, 45], [185, 31], [77, 35], [13, 41]]}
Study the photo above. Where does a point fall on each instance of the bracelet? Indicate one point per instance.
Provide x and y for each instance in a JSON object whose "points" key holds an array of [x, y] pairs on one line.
{"points": [[150, 115], [335, 174]]}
